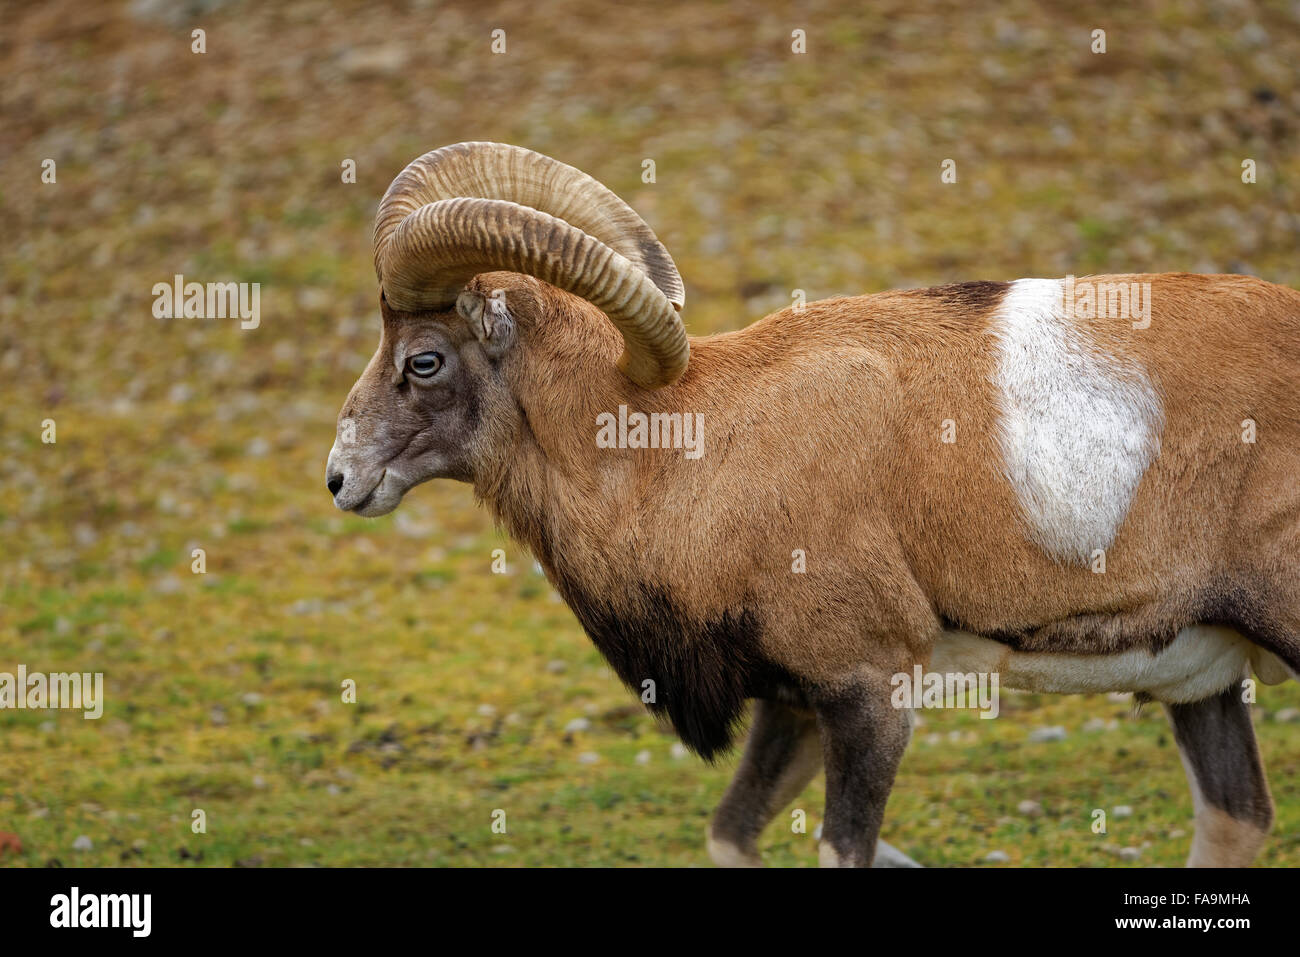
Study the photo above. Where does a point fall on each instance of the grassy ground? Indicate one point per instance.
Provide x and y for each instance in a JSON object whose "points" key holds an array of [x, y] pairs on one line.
{"points": [[774, 171]]}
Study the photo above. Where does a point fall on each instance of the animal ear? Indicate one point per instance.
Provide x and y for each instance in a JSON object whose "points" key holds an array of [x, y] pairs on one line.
{"points": [[488, 318]]}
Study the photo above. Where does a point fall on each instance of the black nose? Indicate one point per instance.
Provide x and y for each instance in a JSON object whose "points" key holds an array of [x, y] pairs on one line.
{"points": [[334, 483]]}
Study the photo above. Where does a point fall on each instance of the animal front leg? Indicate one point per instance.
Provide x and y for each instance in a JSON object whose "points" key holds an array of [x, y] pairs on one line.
{"points": [[783, 753], [863, 740], [1229, 791]]}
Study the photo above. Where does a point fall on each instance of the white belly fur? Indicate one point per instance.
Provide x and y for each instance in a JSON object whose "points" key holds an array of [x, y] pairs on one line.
{"points": [[1202, 660]]}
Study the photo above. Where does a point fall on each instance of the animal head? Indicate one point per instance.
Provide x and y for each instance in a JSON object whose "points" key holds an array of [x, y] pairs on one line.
{"points": [[480, 250]]}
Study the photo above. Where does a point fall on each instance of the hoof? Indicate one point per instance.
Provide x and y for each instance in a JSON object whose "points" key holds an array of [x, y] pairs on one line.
{"points": [[726, 854], [886, 856]]}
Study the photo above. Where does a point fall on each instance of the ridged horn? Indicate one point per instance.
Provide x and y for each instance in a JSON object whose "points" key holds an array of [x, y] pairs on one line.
{"points": [[478, 207]]}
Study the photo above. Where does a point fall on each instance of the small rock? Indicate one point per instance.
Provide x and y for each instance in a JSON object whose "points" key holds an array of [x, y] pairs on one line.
{"points": [[486, 711], [182, 14], [310, 299], [1287, 715], [374, 61], [889, 856], [997, 857], [1029, 808], [557, 667], [259, 782], [1253, 35], [1094, 724], [643, 757], [577, 725], [679, 751], [83, 843], [588, 757], [1053, 733], [167, 585], [251, 698], [1122, 810], [1129, 853]]}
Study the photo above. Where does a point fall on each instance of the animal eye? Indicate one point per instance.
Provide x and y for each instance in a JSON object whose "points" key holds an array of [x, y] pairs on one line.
{"points": [[425, 364]]}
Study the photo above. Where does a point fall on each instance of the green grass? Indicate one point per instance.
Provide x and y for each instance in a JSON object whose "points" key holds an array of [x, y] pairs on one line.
{"points": [[774, 172]]}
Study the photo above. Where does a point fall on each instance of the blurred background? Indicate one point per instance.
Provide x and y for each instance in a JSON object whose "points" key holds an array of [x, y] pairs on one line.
{"points": [[478, 692]]}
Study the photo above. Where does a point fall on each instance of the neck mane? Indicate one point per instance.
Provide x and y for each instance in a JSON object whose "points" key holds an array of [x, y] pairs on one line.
{"points": [[598, 523]]}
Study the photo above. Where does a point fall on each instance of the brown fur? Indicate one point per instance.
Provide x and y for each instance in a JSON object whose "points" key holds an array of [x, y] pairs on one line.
{"points": [[822, 434]]}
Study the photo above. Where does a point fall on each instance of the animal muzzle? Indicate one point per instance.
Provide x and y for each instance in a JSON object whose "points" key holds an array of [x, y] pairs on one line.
{"points": [[359, 488]]}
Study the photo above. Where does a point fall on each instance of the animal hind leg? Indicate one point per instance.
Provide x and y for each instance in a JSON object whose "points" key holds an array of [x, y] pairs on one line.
{"points": [[863, 740], [783, 753], [1229, 791]]}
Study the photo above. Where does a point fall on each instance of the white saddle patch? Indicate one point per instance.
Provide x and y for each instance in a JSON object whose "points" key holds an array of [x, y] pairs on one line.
{"points": [[1077, 429], [1201, 661]]}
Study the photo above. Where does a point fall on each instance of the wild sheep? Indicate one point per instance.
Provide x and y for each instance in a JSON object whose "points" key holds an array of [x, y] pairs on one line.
{"points": [[976, 478]]}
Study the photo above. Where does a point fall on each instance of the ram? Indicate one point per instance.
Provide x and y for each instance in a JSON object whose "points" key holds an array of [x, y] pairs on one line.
{"points": [[975, 478]]}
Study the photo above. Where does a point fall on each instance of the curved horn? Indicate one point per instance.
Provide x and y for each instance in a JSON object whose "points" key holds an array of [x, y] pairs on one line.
{"points": [[476, 207]]}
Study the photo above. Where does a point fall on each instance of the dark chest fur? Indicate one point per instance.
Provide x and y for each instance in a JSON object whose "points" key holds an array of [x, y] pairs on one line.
{"points": [[703, 671]]}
